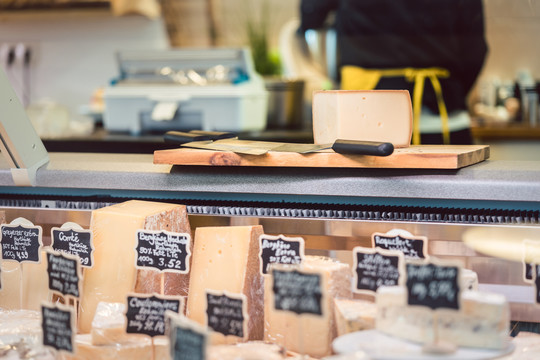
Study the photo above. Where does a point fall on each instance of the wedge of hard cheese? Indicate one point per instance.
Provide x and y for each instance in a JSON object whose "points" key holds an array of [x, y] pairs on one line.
{"points": [[114, 229], [227, 259], [376, 115], [308, 334], [354, 315]]}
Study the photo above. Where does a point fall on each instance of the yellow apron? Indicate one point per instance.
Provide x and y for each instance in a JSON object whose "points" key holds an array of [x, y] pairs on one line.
{"points": [[357, 78]]}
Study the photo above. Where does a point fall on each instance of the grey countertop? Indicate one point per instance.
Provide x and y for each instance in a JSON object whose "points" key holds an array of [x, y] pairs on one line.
{"points": [[489, 180]]}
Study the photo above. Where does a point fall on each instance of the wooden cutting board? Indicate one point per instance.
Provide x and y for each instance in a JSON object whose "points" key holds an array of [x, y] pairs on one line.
{"points": [[414, 157]]}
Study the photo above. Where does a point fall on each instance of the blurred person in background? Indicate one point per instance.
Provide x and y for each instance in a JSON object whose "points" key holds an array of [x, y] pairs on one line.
{"points": [[433, 48]]}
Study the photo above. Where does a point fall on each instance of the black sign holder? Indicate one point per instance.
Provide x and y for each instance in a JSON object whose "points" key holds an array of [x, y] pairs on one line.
{"points": [[377, 267], [9, 251], [280, 250], [434, 284], [72, 239], [188, 339], [58, 325], [226, 313], [413, 247]]}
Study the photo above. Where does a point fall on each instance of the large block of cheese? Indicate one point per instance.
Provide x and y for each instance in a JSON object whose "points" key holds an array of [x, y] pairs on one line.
{"points": [[377, 115], [309, 334], [138, 347], [227, 259], [354, 315], [33, 280], [109, 324], [483, 320], [114, 229]]}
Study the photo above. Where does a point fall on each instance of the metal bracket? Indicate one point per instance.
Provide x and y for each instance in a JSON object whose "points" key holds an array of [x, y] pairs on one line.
{"points": [[19, 142]]}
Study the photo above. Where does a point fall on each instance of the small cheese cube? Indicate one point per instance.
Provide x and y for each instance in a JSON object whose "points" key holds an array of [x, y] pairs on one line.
{"points": [[227, 259], [308, 334], [354, 315], [377, 115]]}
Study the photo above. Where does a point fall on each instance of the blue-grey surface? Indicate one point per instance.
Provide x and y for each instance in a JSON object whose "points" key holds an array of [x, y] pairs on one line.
{"points": [[489, 180]]}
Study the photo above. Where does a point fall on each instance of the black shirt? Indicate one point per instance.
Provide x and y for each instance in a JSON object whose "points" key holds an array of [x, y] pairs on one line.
{"points": [[408, 33]]}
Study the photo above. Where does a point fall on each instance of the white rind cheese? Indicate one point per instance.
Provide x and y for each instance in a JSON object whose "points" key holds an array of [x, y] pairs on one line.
{"points": [[354, 315]]}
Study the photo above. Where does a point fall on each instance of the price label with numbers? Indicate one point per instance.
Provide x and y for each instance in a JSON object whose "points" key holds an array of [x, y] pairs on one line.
{"points": [[377, 267], [163, 250], [298, 291], [433, 284], [76, 242], [64, 272], [226, 313], [21, 243], [280, 250], [58, 325], [146, 314]]}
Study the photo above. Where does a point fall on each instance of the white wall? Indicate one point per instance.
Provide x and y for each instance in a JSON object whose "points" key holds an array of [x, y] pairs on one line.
{"points": [[74, 51]]}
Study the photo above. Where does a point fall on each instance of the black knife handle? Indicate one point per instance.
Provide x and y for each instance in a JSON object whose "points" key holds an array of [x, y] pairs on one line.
{"points": [[179, 137], [215, 135], [354, 147]]}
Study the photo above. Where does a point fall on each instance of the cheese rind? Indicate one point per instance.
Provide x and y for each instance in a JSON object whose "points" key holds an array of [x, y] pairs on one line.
{"points": [[375, 115], [114, 229], [482, 321], [227, 259], [354, 315], [308, 334]]}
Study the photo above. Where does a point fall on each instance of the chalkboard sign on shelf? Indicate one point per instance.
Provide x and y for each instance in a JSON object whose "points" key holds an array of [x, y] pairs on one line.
{"points": [[528, 272], [434, 284], [72, 239], [537, 284], [58, 325], [64, 272], [531, 256], [412, 247], [21, 243], [226, 313], [377, 267], [188, 339], [280, 250], [296, 290], [146, 313], [163, 250]]}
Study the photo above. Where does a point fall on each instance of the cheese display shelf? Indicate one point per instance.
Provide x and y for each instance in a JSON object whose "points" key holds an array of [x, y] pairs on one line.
{"points": [[333, 210]]}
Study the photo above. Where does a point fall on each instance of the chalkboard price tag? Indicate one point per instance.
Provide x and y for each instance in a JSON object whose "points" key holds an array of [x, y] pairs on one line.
{"points": [[64, 273], [280, 250], [188, 339], [528, 272], [226, 313], [297, 291], [21, 243], [412, 247], [146, 314], [376, 267], [433, 285], [531, 256], [58, 324], [163, 250], [76, 242]]}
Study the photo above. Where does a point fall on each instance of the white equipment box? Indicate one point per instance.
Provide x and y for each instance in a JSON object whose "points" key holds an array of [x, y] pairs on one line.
{"points": [[214, 89]]}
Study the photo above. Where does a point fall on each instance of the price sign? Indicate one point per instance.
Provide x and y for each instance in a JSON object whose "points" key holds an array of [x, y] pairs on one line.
{"points": [[376, 267], [412, 247], [280, 250], [433, 285], [227, 313], [297, 291], [76, 242], [21, 243], [64, 273], [58, 324], [188, 339], [163, 250], [146, 314], [531, 257]]}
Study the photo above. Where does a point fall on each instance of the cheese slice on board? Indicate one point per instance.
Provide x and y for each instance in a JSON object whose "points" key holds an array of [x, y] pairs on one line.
{"points": [[309, 334], [227, 259], [354, 315], [375, 115], [114, 229]]}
